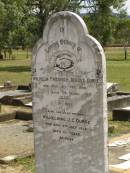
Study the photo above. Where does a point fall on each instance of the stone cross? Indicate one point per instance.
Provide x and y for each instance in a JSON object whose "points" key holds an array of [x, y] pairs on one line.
{"points": [[69, 99]]}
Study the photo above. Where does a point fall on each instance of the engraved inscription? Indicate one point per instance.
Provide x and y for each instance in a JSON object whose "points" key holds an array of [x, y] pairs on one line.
{"points": [[63, 62], [67, 125], [62, 29], [64, 42]]}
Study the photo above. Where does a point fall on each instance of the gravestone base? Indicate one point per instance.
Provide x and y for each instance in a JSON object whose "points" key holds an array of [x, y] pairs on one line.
{"points": [[121, 114]]}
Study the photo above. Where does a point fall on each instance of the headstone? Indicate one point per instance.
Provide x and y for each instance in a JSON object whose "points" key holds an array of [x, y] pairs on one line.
{"points": [[112, 88], [69, 99], [8, 84], [0, 107]]}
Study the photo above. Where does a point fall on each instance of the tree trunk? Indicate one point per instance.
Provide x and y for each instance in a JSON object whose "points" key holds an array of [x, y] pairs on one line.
{"points": [[27, 55], [125, 50], [1, 56], [10, 53], [5, 53]]}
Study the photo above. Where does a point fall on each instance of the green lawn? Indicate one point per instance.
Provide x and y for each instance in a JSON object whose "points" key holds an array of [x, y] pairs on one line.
{"points": [[118, 127], [18, 70], [28, 164], [118, 69]]}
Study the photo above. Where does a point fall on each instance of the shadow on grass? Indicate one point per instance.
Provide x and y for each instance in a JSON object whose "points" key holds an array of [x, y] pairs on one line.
{"points": [[15, 69], [121, 60]]}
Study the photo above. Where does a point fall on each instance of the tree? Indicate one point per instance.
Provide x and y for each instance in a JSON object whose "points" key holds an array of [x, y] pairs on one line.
{"points": [[22, 22], [15, 22], [98, 14], [2, 26], [10, 14], [42, 9], [122, 31], [100, 18]]}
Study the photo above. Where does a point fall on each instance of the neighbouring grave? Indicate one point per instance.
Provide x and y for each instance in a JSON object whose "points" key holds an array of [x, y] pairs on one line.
{"points": [[69, 99], [16, 97], [121, 114], [12, 112], [8, 84], [112, 88], [16, 101], [118, 101]]}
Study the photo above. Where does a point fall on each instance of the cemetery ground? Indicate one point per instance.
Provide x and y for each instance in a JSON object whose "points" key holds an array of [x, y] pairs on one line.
{"points": [[18, 71], [117, 68]]}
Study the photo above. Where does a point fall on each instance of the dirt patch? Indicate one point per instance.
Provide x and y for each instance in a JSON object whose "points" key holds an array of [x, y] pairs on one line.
{"points": [[12, 169], [119, 137], [15, 139], [121, 149]]}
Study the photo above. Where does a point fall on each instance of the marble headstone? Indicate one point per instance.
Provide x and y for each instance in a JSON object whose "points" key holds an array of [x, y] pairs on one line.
{"points": [[69, 99]]}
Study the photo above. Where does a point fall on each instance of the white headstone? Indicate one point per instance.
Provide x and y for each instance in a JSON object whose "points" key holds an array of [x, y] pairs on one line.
{"points": [[69, 99]]}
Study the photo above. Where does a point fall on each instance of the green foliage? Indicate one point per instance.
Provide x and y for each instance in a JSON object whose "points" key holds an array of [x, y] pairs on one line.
{"points": [[18, 26], [101, 20], [42, 9], [22, 22], [12, 14], [122, 29], [2, 23]]}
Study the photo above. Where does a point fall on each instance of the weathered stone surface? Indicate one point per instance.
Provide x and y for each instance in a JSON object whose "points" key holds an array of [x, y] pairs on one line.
{"points": [[69, 99], [118, 101], [15, 93], [8, 159]]}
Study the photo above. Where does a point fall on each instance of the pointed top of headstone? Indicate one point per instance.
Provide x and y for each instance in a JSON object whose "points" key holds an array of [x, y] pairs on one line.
{"points": [[66, 16]]}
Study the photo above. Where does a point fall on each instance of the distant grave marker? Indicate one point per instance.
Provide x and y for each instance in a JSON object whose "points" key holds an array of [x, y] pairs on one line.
{"points": [[69, 99]]}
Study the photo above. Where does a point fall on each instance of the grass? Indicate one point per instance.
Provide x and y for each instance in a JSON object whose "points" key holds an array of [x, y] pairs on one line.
{"points": [[118, 69], [119, 127], [18, 70], [116, 53], [27, 163]]}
